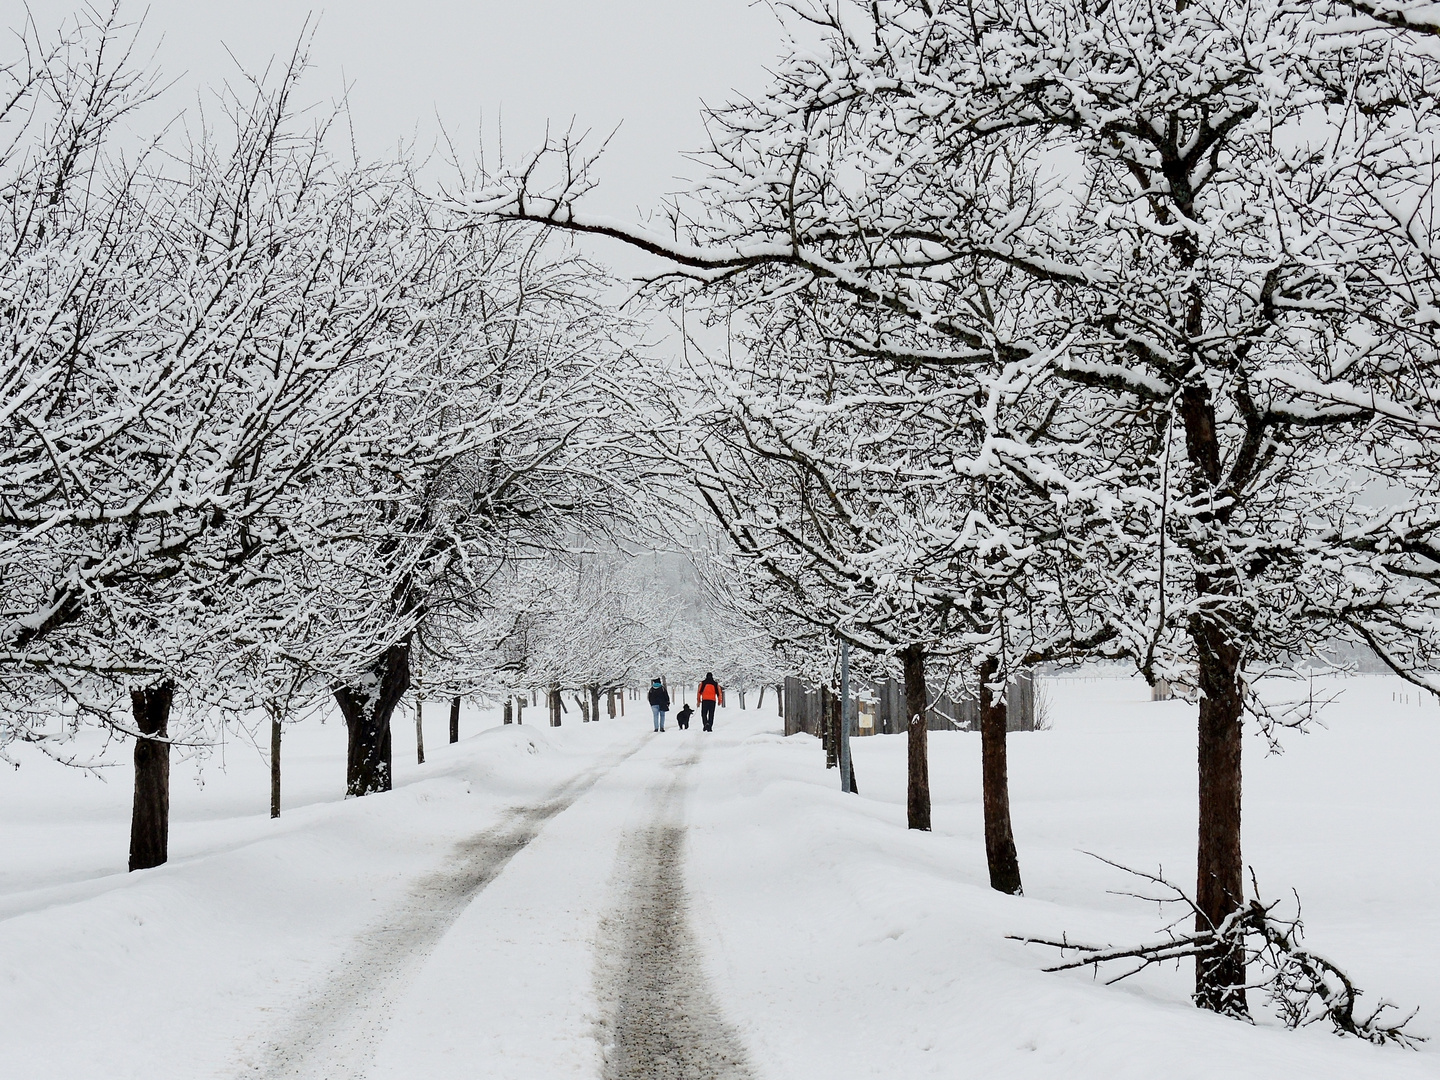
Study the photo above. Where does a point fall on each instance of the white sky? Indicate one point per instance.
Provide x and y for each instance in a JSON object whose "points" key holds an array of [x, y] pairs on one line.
{"points": [[648, 63]]}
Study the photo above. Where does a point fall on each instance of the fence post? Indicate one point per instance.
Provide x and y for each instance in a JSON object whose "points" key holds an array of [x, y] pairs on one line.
{"points": [[829, 727], [1020, 702], [845, 784]]}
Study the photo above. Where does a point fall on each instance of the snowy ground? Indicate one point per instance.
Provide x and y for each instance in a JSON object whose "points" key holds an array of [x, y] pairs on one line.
{"points": [[599, 901]]}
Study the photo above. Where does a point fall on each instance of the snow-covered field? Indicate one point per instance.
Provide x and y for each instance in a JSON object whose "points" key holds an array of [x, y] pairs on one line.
{"points": [[833, 942]]}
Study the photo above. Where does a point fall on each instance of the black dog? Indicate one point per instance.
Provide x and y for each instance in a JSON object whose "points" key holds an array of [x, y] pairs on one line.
{"points": [[682, 718]]}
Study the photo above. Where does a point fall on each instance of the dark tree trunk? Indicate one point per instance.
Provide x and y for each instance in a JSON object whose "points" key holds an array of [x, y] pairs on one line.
{"points": [[610, 702], [555, 706], [419, 731], [1220, 867], [455, 719], [595, 701], [999, 838], [509, 713], [520, 709], [274, 766], [367, 709], [150, 814], [1220, 887], [917, 799]]}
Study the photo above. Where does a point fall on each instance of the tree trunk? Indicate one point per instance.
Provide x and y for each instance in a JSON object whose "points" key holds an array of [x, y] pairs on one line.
{"points": [[150, 812], [1220, 867], [520, 710], [367, 709], [274, 766], [455, 719], [999, 838], [1220, 888], [555, 706], [509, 712], [610, 702], [595, 702], [419, 732], [917, 798]]}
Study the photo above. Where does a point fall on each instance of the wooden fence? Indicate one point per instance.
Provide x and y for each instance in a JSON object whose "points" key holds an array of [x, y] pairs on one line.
{"points": [[880, 708]]}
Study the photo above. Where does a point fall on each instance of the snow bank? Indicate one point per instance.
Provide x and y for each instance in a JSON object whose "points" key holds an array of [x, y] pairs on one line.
{"points": [[845, 945], [172, 972]]}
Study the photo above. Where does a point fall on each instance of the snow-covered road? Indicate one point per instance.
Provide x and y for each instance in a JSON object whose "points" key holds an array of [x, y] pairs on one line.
{"points": [[335, 1033], [402, 1001], [661, 1018], [580, 960]]}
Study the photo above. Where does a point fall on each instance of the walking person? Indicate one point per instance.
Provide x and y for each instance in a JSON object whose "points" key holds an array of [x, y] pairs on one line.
{"points": [[706, 697], [659, 703]]}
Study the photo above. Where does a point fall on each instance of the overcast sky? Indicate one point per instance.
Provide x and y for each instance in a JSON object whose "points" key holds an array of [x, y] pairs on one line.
{"points": [[646, 63]]}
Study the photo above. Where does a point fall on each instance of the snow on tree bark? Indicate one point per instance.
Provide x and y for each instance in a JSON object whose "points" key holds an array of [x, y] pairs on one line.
{"points": [[367, 707], [1220, 866], [917, 785], [1000, 854]]}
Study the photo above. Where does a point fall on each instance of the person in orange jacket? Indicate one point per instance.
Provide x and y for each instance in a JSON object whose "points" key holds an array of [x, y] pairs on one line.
{"points": [[706, 697]]}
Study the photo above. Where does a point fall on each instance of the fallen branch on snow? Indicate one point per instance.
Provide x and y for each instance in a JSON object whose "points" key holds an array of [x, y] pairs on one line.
{"points": [[1304, 986]]}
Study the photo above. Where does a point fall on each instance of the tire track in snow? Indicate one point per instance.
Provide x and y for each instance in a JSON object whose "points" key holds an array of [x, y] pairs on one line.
{"points": [[334, 1035], [663, 1021]]}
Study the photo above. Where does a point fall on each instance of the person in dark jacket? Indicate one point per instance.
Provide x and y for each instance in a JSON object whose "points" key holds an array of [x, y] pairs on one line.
{"points": [[659, 703], [682, 718], [708, 694]]}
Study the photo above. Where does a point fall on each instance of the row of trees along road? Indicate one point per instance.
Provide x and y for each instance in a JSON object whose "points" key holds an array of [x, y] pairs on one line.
{"points": [[1092, 327], [599, 622], [270, 422]]}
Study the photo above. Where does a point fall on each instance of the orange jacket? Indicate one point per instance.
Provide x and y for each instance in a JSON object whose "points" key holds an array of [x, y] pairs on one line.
{"points": [[708, 691]]}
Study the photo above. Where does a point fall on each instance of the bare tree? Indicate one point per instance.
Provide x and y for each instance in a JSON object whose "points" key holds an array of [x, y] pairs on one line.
{"points": [[496, 442], [191, 350]]}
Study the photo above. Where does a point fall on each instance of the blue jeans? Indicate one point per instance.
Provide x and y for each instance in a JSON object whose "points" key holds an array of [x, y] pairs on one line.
{"points": [[659, 717]]}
